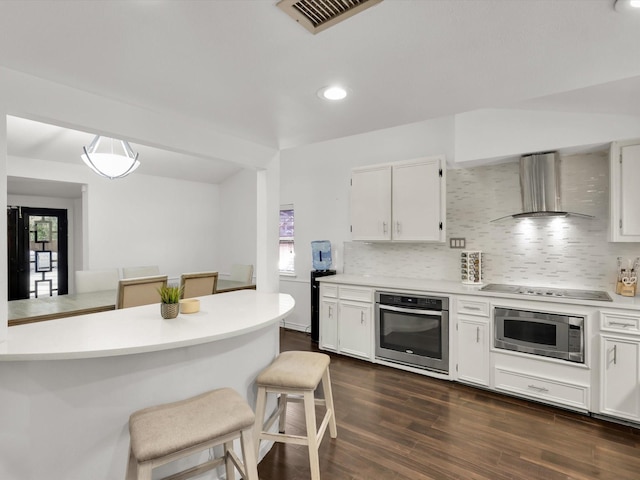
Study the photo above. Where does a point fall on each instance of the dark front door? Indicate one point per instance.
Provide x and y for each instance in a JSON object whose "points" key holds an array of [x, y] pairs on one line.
{"points": [[38, 252]]}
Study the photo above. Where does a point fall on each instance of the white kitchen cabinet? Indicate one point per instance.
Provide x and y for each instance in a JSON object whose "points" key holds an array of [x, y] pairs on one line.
{"points": [[473, 351], [329, 324], [346, 320], [473, 364], [624, 162], [543, 388], [402, 201], [620, 377], [354, 329], [371, 203]]}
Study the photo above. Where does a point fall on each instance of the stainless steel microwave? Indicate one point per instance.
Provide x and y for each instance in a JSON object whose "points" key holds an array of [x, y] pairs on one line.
{"points": [[547, 334]]}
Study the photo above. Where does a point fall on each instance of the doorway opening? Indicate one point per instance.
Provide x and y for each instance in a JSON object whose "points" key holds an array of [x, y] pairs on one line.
{"points": [[37, 252]]}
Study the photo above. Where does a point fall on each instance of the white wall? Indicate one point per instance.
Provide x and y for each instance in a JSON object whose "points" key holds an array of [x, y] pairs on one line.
{"points": [[236, 231], [140, 219], [496, 133]]}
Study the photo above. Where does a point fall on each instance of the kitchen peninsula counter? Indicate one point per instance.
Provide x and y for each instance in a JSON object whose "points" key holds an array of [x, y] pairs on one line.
{"points": [[68, 386]]}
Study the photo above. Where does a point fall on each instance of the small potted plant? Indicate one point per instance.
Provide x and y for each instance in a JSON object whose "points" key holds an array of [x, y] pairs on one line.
{"points": [[170, 298]]}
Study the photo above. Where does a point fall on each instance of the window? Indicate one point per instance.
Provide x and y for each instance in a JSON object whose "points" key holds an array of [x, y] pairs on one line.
{"points": [[287, 252]]}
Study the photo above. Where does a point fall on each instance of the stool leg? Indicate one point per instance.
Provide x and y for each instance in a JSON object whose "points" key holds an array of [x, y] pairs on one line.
{"points": [[328, 398], [282, 421], [144, 471], [132, 466], [261, 405], [248, 455], [228, 463], [312, 433]]}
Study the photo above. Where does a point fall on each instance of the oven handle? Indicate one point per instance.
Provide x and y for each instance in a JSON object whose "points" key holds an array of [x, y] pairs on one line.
{"points": [[410, 310]]}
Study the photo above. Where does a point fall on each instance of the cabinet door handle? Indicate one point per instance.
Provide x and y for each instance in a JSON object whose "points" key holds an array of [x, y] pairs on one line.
{"points": [[615, 354], [622, 324], [538, 389], [384, 227], [330, 311], [398, 227], [362, 318], [477, 334]]}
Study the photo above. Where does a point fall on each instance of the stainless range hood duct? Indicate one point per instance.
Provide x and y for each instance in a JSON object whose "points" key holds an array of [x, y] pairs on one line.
{"points": [[540, 187]]}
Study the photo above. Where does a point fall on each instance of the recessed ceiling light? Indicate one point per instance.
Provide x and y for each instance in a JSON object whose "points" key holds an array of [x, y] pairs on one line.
{"points": [[627, 5], [332, 93]]}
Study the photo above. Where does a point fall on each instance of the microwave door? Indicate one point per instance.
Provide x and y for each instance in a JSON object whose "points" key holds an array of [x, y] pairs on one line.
{"points": [[534, 336]]}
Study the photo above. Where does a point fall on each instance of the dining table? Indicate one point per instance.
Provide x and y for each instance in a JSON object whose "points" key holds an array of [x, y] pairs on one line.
{"points": [[39, 309]]}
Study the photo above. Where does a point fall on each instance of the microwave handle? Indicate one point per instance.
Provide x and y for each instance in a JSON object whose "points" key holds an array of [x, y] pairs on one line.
{"points": [[410, 310]]}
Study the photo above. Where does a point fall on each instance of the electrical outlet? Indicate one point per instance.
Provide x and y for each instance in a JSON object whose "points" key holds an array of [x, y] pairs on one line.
{"points": [[457, 242]]}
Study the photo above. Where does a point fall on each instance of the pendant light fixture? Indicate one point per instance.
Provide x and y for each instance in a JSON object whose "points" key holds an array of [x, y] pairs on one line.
{"points": [[624, 6], [110, 158]]}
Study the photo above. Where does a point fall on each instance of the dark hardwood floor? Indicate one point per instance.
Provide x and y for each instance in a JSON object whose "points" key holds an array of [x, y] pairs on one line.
{"points": [[396, 425]]}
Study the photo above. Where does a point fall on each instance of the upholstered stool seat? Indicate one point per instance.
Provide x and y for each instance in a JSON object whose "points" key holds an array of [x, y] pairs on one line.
{"points": [[297, 374], [168, 432]]}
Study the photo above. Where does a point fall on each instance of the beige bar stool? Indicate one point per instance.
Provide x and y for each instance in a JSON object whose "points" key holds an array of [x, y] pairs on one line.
{"points": [[299, 374], [168, 432]]}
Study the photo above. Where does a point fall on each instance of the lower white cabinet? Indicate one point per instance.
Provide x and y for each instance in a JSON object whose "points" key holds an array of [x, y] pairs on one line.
{"points": [[354, 329], [473, 351], [473, 361], [546, 389], [346, 323], [620, 377], [329, 324]]}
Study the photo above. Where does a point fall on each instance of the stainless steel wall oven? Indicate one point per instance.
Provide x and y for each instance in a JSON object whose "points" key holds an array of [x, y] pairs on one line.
{"points": [[413, 330], [553, 335]]}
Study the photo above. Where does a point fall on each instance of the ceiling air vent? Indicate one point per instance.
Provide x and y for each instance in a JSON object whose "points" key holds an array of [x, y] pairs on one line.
{"points": [[317, 15]]}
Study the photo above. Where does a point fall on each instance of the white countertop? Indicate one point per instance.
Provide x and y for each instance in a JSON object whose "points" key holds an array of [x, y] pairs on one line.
{"points": [[458, 288], [142, 329]]}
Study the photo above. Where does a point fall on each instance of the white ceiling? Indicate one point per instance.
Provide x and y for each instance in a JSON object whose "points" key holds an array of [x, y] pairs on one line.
{"points": [[249, 70]]}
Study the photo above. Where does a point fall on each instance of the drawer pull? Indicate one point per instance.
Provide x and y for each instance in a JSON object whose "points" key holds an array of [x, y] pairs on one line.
{"points": [[622, 324], [466, 307], [538, 389]]}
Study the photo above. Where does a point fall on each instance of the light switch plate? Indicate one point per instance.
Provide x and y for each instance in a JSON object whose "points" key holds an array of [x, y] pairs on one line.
{"points": [[457, 242]]}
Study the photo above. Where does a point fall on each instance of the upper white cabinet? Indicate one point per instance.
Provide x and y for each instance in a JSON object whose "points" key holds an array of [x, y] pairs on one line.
{"points": [[371, 203], [625, 194], [402, 201]]}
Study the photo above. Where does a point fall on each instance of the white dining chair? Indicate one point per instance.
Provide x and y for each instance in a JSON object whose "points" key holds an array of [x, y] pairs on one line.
{"points": [[144, 271], [96, 280], [241, 273], [133, 292], [198, 284]]}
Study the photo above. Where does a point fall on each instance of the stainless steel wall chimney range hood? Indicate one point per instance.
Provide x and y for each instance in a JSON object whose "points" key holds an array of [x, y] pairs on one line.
{"points": [[540, 187]]}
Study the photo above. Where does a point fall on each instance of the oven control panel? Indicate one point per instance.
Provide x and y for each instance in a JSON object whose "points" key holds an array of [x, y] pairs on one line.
{"points": [[412, 301]]}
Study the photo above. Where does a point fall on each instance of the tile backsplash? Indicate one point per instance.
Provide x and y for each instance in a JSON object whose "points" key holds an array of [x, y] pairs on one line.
{"points": [[571, 252]]}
